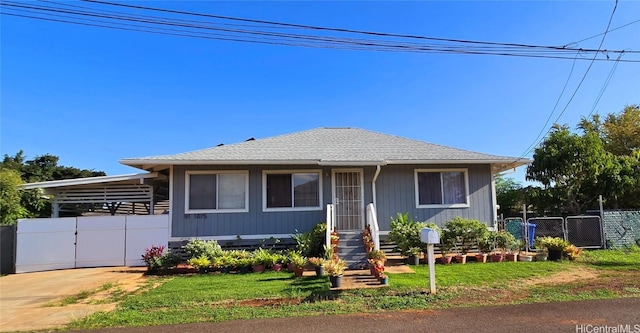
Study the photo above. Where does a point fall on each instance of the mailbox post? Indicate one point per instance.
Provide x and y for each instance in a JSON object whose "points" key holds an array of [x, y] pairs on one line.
{"points": [[431, 237]]}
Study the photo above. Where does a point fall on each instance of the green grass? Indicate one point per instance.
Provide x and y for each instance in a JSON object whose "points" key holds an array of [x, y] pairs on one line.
{"points": [[221, 297], [474, 274], [623, 259]]}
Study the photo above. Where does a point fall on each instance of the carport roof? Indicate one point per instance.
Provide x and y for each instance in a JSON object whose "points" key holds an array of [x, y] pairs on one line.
{"points": [[90, 180]]}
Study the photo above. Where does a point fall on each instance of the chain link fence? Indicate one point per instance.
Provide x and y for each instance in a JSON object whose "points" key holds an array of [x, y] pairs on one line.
{"points": [[622, 228], [585, 231]]}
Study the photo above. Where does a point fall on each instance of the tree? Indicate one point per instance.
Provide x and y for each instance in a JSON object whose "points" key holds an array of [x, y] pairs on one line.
{"points": [[620, 132], [575, 169], [10, 208], [39, 169], [509, 196]]}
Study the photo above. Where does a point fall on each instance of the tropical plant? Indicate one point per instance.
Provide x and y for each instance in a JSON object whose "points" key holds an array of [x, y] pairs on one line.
{"points": [[551, 243], [465, 232], [200, 262], [198, 248], [377, 255], [504, 241], [317, 262], [261, 257], [310, 243], [335, 267], [297, 259], [405, 232]]}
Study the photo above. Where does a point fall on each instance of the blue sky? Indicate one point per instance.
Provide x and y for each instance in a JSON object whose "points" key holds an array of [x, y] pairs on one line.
{"points": [[93, 96]]}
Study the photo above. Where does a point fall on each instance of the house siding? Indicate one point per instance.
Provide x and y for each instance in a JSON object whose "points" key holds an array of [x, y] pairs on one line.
{"points": [[395, 193]]}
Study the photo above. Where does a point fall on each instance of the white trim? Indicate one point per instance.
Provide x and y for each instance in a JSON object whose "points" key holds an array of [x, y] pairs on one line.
{"points": [[230, 237], [494, 201], [89, 180], [333, 191], [265, 209], [171, 182], [458, 205], [187, 182], [373, 185]]}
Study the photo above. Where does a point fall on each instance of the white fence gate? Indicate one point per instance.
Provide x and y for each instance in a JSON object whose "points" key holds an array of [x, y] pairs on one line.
{"points": [[59, 243]]}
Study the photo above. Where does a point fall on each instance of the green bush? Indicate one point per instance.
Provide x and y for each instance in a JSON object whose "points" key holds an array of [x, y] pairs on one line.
{"points": [[465, 232], [197, 248], [406, 233], [262, 257], [311, 243]]}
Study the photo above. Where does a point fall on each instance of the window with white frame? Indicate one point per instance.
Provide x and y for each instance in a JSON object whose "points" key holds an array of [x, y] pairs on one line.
{"points": [[442, 188], [216, 191], [287, 190]]}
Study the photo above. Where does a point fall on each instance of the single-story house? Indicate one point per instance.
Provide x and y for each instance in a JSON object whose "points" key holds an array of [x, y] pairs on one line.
{"points": [[275, 186]]}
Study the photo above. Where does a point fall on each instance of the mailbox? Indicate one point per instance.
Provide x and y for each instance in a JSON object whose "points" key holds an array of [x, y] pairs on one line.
{"points": [[429, 236]]}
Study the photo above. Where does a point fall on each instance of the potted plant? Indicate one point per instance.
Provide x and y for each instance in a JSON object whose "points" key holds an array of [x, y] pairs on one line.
{"points": [[554, 245], [335, 269], [541, 251], [502, 241], [384, 279], [484, 246], [523, 255], [375, 256], [318, 264], [447, 242], [298, 262], [201, 263], [414, 255], [464, 233], [259, 259], [277, 262]]}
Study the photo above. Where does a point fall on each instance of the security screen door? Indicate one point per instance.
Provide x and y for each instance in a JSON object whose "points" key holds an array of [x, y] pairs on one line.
{"points": [[348, 199]]}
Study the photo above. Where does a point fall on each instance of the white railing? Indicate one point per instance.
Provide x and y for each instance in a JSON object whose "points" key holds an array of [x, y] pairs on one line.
{"points": [[372, 220], [330, 224]]}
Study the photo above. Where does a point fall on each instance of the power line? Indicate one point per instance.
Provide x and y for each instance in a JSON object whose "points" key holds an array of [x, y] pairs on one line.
{"points": [[204, 30], [604, 35]]}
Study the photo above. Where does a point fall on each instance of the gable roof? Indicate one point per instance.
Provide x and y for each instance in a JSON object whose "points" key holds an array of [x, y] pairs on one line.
{"points": [[328, 146]]}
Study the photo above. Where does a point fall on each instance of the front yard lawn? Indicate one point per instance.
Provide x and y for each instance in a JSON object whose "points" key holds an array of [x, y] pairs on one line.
{"points": [[220, 297]]}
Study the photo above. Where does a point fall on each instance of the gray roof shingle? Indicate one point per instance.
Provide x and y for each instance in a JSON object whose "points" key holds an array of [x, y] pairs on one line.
{"points": [[326, 146]]}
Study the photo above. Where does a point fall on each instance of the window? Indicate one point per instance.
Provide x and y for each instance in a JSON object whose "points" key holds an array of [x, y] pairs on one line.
{"points": [[216, 191], [441, 188], [286, 190]]}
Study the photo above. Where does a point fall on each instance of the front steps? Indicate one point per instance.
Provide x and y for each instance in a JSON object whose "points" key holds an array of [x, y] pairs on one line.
{"points": [[351, 249]]}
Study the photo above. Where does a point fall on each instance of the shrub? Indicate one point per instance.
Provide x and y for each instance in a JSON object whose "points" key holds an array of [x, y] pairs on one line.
{"points": [[335, 267], [551, 243], [156, 258], [197, 248], [465, 232], [261, 257], [311, 243], [504, 241], [406, 233], [200, 262]]}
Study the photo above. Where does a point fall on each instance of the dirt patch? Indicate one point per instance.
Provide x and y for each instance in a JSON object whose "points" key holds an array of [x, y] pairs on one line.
{"points": [[575, 273]]}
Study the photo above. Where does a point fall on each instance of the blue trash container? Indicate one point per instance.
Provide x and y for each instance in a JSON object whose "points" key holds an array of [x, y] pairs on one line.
{"points": [[532, 231]]}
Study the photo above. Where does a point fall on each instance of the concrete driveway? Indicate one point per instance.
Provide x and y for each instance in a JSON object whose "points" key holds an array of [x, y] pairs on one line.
{"points": [[26, 299]]}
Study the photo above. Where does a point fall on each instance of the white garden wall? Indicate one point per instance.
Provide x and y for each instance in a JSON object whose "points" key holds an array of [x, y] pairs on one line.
{"points": [[96, 241]]}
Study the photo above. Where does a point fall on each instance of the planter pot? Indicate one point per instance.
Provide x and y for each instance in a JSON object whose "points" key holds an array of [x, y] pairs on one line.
{"points": [[497, 257], [276, 267], [555, 255], [290, 267], [384, 280], [525, 258], [512, 257], [445, 260], [481, 257], [203, 270], [336, 281], [298, 271], [414, 260], [245, 269], [319, 270], [541, 257], [257, 268], [461, 258], [225, 269]]}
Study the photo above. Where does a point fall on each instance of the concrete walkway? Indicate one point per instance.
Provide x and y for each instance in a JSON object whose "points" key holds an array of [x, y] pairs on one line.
{"points": [[24, 298]]}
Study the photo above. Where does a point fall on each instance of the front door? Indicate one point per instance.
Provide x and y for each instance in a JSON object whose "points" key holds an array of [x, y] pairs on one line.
{"points": [[348, 199]]}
